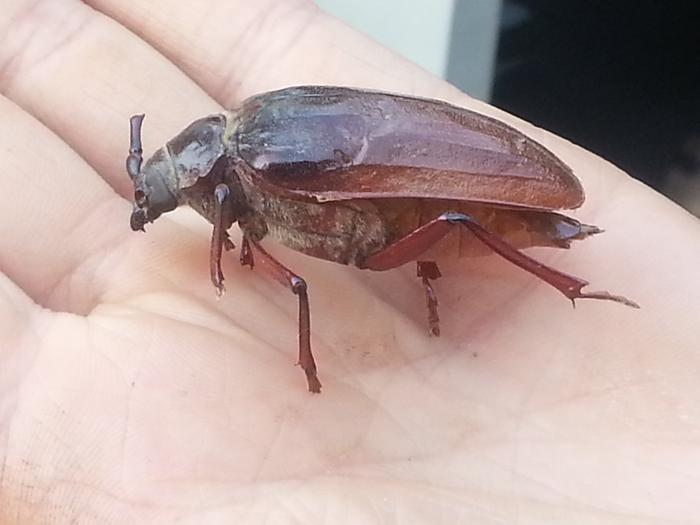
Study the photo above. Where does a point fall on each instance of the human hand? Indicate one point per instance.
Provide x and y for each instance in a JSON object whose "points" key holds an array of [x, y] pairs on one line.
{"points": [[129, 393]]}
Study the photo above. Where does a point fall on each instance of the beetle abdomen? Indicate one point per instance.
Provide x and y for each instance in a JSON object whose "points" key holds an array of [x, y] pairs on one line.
{"points": [[342, 232]]}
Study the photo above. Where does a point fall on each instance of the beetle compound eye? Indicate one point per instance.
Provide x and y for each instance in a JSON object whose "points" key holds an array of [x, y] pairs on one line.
{"points": [[140, 198]]}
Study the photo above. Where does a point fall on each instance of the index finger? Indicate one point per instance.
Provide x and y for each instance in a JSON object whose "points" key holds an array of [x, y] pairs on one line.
{"points": [[237, 48]]}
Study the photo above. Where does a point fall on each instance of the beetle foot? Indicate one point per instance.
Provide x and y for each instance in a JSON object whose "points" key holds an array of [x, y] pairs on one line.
{"points": [[311, 376], [313, 382], [220, 288], [228, 244], [605, 296], [246, 257], [217, 279]]}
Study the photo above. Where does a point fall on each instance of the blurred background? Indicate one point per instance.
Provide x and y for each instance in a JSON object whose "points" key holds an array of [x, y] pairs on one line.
{"points": [[619, 77]]}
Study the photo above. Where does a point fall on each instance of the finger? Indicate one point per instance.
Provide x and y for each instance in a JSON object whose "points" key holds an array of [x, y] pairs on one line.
{"points": [[82, 75], [17, 312], [238, 48], [55, 213]]}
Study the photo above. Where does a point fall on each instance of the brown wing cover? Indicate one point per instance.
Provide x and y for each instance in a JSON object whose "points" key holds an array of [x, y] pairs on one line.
{"points": [[333, 143]]}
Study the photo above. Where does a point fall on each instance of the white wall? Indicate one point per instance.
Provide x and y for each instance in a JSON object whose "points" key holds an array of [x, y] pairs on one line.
{"points": [[418, 29], [423, 31]]}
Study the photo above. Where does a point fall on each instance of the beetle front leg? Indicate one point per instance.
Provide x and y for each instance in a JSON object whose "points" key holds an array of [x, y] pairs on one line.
{"points": [[219, 238], [417, 242], [428, 271], [252, 253]]}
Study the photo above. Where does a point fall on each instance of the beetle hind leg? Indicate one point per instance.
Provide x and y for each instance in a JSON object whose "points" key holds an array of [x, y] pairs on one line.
{"points": [[429, 271], [568, 285], [413, 245]]}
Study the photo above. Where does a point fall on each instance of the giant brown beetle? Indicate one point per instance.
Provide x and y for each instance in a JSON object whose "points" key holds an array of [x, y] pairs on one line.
{"points": [[365, 178]]}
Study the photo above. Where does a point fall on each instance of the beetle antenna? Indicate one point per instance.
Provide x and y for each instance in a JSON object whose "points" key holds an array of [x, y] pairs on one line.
{"points": [[133, 161]]}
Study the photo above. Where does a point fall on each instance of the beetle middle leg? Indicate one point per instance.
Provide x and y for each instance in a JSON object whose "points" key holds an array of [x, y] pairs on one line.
{"points": [[428, 271], [414, 244], [252, 253]]}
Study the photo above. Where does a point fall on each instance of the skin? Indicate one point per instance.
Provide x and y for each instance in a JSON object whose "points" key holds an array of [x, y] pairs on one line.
{"points": [[128, 393]]}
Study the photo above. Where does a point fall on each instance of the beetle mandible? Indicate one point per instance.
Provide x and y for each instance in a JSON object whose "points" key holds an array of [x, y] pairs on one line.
{"points": [[366, 178]]}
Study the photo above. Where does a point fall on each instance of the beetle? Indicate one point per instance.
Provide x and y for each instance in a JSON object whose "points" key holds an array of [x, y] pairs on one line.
{"points": [[366, 178]]}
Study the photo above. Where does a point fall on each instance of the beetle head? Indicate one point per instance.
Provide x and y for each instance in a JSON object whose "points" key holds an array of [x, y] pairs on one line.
{"points": [[185, 159], [154, 184]]}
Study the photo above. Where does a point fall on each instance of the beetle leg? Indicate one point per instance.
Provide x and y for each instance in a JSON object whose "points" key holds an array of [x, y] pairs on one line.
{"points": [[417, 242], [251, 253], [219, 238], [246, 254], [429, 271]]}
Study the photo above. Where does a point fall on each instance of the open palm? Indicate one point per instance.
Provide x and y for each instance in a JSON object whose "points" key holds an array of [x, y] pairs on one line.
{"points": [[130, 393]]}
